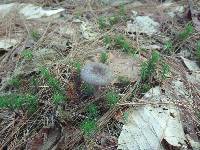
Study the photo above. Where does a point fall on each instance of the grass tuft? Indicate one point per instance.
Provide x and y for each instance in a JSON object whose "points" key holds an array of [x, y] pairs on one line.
{"points": [[198, 50], [107, 40], [88, 126], [19, 101], [108, 22], [102, 22], [145, 87], [122, 10], [165, 71], [168, 47], [113, 20], [27, 54], [123, 44], [124, 80], [44, 72], [35, 35], [58, 97], [15, 81], [104, 57], [187, 32], [112, 98], [51, 80], [92, 111], [149, 67], [77, 65], [88, 89]]}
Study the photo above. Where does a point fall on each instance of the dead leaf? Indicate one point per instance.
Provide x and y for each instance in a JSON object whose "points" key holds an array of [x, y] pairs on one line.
{"points": [[88, 31], [147, 126], [123, 65], [47, 138], [194, 75], [153, 127], [191, 65], [195, 145], [119, 116], [106, 141], [71, 92], [30, 11], [7, 43], [143, 24]]}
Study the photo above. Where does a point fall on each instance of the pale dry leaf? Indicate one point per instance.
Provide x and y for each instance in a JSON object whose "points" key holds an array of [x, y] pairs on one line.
{"points": [[45, 139], [7, 43], [194, 75], [191, 65], [143, 24], [123, 65], [148, 126], [30, 11], [88, 31]]}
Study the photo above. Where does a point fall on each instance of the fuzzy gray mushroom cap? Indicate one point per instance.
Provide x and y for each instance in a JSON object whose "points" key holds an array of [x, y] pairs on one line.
{"points": [[96, 74]]}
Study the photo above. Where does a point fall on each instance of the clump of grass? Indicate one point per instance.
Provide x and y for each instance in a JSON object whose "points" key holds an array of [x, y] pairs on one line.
{"points": [[149, 67], [198, 50], [125, 116], [165, 71], [88, 126], [112, 98], [31, 101], [144, 87], [187, 32], [51, 80], [113, 20], [102, 22], [55, 85], [108, 22], [11, 101], [27, 54], [107, 40], [44, 72], [77, 15], [58, 97], [88, 89], [35, 35], [149, 70], [103, 57], [123, 44], [168, 47], [120, 42], [124, 80], [18, 101], [92, 111], [77, 65], [15, 81], [122, 10], [34, 81]]}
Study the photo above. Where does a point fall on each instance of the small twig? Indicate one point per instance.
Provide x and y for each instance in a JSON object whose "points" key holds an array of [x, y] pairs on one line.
{"points": [[143, 103]]}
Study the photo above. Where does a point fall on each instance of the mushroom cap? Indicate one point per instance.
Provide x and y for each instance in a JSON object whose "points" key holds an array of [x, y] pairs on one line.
{"points": [[96, 74]]}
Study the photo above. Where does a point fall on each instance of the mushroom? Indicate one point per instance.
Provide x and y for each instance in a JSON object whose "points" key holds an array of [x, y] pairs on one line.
{"points": [[96, 74]]}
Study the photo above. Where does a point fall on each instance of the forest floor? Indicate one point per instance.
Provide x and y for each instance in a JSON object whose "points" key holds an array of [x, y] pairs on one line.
{"points": [[105, 75]]}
